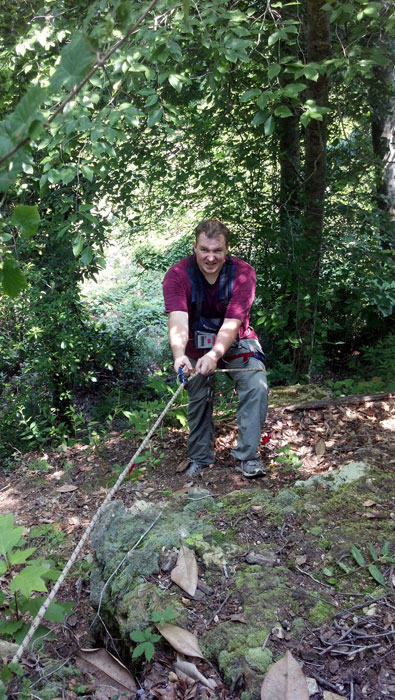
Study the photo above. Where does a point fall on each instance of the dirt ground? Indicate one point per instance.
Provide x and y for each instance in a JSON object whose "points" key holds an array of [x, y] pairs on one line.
{"points": [[355, 664]]}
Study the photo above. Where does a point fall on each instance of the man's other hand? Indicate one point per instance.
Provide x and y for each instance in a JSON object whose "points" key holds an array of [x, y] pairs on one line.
{"points": [[184, 363]]}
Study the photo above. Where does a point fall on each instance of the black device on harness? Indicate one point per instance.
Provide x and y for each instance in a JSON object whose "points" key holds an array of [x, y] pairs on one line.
{"points": [[205, 329]]}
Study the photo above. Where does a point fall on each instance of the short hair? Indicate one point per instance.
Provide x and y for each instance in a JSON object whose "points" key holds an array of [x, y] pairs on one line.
{"points": [[212, 228]]}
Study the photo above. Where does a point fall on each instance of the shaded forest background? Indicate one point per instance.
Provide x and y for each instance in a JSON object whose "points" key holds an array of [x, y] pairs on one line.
{"points": [[123, 125]]}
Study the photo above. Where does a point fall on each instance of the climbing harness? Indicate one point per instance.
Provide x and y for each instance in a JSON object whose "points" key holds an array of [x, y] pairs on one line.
{"points": [[205, 328]]}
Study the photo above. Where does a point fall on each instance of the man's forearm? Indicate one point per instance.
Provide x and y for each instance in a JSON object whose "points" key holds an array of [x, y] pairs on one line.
{"points": [[178, 337], [226, 336]]}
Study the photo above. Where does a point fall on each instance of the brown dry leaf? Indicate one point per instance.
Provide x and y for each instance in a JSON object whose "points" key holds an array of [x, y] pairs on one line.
{"points": [[181, 640], [193, 672], [301, 559], [239, 618], [320, 447], [67, 488], [185, 573], [106, 670], [369, 503], [328, 695], [182, 466], [285, 681]]}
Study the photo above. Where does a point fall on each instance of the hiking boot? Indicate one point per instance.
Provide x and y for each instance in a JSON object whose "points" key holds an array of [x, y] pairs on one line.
{"points": [[250, 467], [195, 468]]}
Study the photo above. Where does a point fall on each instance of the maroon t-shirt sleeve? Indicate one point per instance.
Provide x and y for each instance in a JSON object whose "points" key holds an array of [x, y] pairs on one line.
{"points": [[175, 289], [243, 293]]}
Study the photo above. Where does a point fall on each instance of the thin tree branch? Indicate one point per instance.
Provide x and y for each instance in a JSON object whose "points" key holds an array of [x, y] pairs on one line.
{"points": [[99, 64]]}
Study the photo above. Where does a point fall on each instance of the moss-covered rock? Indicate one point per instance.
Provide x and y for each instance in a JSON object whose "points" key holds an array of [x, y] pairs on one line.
{"points": [[328, 520]]}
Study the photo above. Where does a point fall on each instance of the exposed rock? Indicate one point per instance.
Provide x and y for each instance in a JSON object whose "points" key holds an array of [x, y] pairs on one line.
{"points": [[337, 478], [260, 587], [268, 558]]}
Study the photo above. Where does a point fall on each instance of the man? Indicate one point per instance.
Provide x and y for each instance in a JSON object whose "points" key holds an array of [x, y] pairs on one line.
{"points": [[208, 298]]}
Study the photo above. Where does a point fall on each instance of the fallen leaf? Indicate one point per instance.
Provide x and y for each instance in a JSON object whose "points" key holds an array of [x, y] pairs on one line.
{"points": [[301, 559], [181, 640], [328, 695], [106, 670], [239, 618], [369, 503], [185, 573], [182, 466], [193, 672], [66, 488], [320, 447], [285, 681]]}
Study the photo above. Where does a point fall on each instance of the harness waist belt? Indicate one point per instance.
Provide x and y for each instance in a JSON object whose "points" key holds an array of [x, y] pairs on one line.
{"points": [[246, 356]]}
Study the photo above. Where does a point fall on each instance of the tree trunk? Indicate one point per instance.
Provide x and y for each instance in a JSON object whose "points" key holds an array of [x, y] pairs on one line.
{"points": [[318, 49], [382, 99]]}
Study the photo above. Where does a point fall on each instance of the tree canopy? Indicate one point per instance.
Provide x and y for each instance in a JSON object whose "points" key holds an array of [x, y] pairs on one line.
{"points": [[277, 118]]}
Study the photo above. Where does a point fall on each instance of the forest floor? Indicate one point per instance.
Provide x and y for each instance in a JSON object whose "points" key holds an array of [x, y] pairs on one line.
{"points": [[67, 494]]}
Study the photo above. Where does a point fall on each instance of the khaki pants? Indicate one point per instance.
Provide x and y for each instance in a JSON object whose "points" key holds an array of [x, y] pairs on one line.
{"points": [[251, 412]]}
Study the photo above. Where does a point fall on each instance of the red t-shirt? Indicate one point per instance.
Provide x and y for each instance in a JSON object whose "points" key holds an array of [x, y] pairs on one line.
{"points": [[177, 294]]}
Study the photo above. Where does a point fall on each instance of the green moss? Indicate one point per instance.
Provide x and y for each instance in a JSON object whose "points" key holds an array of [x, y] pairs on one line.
{"points": [[259, 659], [298, 627], [230, 665], [316, 531], [320, 614]]}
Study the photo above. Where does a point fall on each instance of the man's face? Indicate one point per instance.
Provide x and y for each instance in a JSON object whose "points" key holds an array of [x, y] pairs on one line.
{"points": [[210, 254]]}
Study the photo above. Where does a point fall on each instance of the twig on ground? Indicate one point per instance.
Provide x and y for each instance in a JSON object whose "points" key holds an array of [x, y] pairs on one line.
{"points": [[322, 681], [344, 635], [219, 609], [322, 583]]}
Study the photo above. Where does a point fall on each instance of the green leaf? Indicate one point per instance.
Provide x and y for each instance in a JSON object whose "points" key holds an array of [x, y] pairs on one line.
{"points": [[78, 245], [139, 650], [259, 118], [311, 73], [10, 626], [18, 123], [250, 94], [377, 575], [20, 556], [9, 535], [293, 89], [75, 59], [152, 100], [138, 635], [155, 117], [155, 617], [269, 126], [86, 256], [283, 111], [386, 549], [149, 650], [87, 172], [357, 555], [273, 38], [175, 81], [2, 597], [29, 580], [41, 631], [373, 552], [27, 217], [273, 70]]}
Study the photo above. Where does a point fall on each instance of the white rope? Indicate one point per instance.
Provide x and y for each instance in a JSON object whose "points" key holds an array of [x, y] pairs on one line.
{"points": [[87, 532]]}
